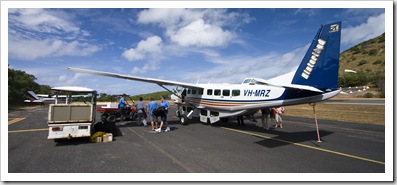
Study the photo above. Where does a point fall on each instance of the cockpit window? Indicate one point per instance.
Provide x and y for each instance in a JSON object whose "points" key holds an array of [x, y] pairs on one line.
{"points": [[250, 81], [246, 81]]}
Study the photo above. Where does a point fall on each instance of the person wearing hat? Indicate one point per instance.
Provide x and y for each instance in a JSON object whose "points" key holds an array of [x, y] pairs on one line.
{"points": [[122, 103]]}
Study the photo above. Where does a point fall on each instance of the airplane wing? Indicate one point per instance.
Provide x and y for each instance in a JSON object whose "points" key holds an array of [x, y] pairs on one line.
{"points": [[290, 86], [136, 78]]}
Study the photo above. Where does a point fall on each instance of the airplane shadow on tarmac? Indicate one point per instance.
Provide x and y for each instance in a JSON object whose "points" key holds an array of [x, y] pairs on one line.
{"points": [[277, 137], [286, 138]]}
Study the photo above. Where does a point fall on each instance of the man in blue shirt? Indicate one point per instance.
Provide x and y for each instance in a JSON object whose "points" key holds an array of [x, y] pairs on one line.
{"points": [[164, 103], [122, 103], [151, 106]]}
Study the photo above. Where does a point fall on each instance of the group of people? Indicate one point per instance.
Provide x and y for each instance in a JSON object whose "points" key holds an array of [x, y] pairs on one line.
{"points": [[272, 114], [268, 114], [149, 110]]}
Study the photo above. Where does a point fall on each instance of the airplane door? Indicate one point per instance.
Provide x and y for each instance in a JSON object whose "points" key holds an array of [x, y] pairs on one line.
{"points": [[203, 115]]}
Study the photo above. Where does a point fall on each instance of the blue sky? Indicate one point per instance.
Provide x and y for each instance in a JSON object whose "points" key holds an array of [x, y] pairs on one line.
{"points": [[188, 45]]}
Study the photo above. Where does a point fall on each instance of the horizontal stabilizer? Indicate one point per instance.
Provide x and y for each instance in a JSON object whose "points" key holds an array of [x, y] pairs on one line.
{"points": [[289, 86]]}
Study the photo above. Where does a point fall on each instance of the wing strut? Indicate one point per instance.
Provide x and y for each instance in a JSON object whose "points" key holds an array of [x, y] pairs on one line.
{"points": [[170, 91]]}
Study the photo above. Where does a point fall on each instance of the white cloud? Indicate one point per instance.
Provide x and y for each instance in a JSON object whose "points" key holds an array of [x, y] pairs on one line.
{"points": [[43, 21], [374, 27], [200, 34], [151, 45], [234, 69], [169, 18], [67, 80], [31, 49], [151, 66], [39, 33], [196, 27]]}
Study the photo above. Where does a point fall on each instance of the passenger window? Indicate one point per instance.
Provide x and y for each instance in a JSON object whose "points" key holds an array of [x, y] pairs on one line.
{"points": [[217, 92], [194, 91], [209, 91], [226, 92], [189, 91], [236, 93], [200, 91]]}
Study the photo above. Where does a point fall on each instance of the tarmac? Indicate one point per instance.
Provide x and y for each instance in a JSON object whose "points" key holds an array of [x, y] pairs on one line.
{"points": [[198, 148]]}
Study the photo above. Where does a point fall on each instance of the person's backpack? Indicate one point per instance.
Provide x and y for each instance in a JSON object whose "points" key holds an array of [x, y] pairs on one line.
{"points": [[159, 111]]}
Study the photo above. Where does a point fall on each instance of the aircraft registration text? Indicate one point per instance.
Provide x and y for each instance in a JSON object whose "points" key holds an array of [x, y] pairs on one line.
{"points": [[257, 93]]}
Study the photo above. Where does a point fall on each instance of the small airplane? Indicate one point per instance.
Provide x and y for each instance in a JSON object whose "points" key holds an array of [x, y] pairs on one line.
{"points": [[39, 98], [48, 99], [315, 80]]}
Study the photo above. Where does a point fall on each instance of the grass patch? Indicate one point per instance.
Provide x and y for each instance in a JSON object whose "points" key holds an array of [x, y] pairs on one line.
{"points": [[370, 114]]}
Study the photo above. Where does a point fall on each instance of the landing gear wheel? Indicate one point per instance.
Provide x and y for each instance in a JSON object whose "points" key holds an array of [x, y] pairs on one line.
{"points": [[183, 120]]}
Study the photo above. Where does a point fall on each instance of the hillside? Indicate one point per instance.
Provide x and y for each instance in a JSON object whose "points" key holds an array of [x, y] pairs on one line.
{"points": [[367, 57], [155, 95]]}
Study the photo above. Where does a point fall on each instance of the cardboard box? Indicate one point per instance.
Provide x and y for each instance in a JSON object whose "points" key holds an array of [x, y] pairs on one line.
{"points": [[98, 139], [108, 137]]}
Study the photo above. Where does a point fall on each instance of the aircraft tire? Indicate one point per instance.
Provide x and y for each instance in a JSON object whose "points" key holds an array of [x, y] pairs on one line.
{"points": [[183, 120]]}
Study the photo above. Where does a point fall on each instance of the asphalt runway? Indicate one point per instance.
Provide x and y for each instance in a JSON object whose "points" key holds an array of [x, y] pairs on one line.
{"points": [[224, 147]]}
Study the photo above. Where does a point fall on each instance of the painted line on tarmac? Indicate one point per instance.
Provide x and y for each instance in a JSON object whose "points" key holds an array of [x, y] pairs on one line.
{"points": [[162, 151], [14, 120], [30, 130], [306, 146]]}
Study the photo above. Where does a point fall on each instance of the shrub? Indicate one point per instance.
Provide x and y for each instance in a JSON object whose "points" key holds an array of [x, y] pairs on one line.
{"points": [[377, 62], [362, 62], [372, 52], [368, 95], [382, 94]]}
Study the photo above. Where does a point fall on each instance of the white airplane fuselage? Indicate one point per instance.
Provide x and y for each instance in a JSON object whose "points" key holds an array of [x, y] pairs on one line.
{"points": [[227, 100]]}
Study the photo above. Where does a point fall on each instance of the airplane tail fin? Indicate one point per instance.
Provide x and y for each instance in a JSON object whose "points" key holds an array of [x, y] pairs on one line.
{"points": [[33, 96], [319, 67]]}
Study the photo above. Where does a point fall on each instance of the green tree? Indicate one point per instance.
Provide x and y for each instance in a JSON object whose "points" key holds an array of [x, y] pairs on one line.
{"points": [[19, 82], [44, 89]]}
